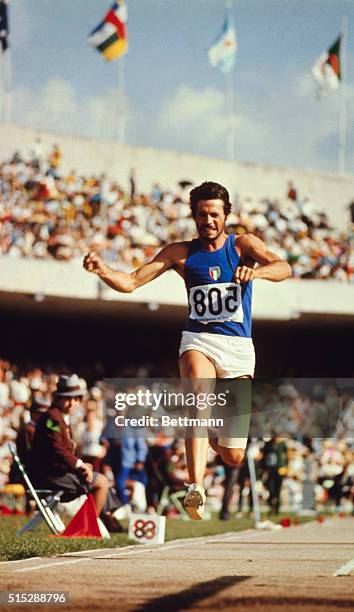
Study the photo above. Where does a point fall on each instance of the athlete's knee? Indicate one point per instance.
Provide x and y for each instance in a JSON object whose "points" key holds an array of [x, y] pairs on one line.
{"points": [[214, 444], [232, 456], [191, 368]]}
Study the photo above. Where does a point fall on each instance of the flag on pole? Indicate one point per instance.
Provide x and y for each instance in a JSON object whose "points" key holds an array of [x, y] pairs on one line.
{"points": [[327, 69], [222, 53], [111, 35], [4, 25]]}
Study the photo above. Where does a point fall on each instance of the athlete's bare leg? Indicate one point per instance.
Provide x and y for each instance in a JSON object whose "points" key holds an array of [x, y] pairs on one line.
{"points": [[231, 456], [195, 365]]}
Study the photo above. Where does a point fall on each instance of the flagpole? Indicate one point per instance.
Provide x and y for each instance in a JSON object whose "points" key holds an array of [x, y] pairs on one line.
{"points": [[230, 136], [230, 101], [5, 65], [342, 111], [121, 101], [2, 86], [8, 86]]}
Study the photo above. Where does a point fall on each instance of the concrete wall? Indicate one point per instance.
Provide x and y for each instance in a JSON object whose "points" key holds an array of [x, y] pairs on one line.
{"points": [[330, 191], [280, 301]]}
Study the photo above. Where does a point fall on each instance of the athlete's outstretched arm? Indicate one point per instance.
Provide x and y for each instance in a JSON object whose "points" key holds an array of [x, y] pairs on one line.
{"points": [[270, 266], [126, 282]]}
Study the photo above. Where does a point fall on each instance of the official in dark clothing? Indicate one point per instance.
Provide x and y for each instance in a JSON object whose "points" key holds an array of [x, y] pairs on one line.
{"points": [[275, 462], [54, 463], [231, 478]]}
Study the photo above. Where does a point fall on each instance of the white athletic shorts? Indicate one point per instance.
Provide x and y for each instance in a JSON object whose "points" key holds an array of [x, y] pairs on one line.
{"points": [[232, 356]]}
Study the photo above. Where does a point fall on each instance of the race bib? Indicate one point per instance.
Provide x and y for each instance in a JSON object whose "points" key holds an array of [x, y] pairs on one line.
{"points": [[217, 302]]}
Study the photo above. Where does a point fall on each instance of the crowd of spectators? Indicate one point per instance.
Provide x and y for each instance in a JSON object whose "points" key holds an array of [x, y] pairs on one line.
{"points": [[45, 213], [297, 440]]}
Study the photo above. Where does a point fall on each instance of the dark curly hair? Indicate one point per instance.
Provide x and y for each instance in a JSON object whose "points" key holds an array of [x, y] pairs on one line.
{"points": [[209, 191]]}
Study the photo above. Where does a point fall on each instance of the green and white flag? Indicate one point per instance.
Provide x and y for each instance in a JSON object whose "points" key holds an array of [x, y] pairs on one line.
{"points": [[327, 69]]}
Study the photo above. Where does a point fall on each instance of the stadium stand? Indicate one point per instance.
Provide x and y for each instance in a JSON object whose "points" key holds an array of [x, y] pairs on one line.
{"points": [[45, 214]]}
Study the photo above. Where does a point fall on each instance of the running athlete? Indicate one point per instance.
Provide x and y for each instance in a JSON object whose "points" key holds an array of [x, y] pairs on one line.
{"points": [[218, 270]]}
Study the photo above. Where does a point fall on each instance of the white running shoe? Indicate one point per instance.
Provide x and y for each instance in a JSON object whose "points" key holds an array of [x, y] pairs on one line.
{"points": [[194, 502]]}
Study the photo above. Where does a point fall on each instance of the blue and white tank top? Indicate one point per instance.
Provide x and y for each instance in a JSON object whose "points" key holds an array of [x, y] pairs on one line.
{"points": [[217, 304]]}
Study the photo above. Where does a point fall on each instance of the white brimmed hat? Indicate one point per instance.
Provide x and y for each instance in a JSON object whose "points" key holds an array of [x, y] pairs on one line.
{"points": [[69, 386]]}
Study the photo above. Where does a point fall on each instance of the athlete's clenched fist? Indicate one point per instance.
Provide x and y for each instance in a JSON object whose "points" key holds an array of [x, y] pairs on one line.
{"points": [[244, 274], [93, 263]]}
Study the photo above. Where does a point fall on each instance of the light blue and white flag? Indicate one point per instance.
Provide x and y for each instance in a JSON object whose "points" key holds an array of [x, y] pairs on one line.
{"points": [[222, 53]]}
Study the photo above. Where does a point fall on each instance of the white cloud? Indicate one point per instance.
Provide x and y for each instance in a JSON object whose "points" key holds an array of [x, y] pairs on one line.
{"points": [[284, 126], [59, 107], [305, 86], [54, 103], [197, 120], [193, 116]]}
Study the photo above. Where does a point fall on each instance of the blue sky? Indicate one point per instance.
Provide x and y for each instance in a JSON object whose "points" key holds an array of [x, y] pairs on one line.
{"points": [[174, 99]]}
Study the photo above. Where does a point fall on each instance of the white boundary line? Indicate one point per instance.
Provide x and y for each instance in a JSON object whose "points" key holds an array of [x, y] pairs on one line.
{"points": [[239, 535], [122, 553], [92, 550], [19, 560], [135, 550], [116, 553], [141, 547], [47, 565]]}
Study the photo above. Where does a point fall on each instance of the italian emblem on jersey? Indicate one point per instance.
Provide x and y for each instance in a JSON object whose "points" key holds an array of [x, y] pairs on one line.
{"points": [[215, 272]]}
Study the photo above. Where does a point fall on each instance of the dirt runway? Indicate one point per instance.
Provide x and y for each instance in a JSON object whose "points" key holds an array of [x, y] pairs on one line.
{"points": [[292, 569]]}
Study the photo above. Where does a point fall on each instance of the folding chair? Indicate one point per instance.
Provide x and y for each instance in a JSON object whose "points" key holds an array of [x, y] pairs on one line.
{"points": [[174, 498], [46, 500], [167, 497]]}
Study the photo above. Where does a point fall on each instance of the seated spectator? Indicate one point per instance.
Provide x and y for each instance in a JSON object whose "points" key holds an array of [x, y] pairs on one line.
{"points": [[62, 468]]}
